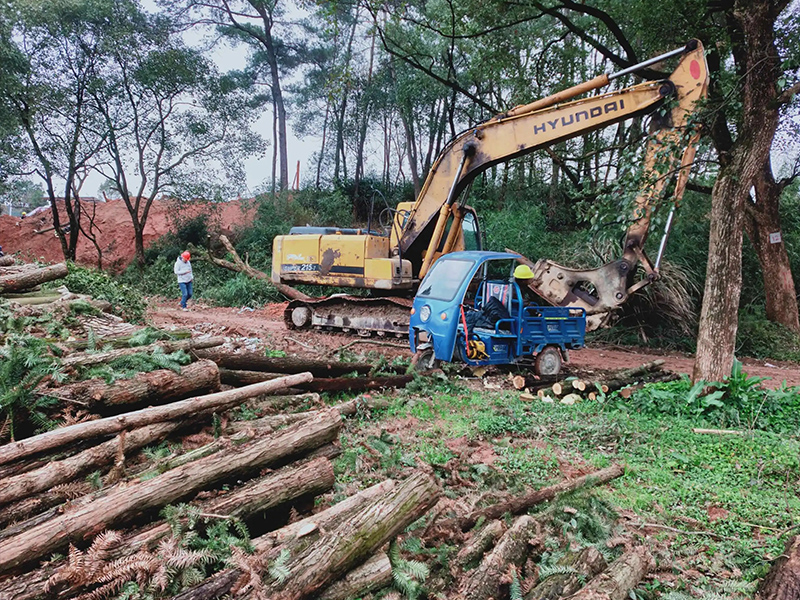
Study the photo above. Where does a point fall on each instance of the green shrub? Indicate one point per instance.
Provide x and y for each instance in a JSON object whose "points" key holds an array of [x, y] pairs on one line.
{"points": [[760, 338], [125, 301], [242, 290]]}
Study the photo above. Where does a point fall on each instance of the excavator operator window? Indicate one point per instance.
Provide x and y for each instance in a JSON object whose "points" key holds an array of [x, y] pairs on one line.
{"points": [[472, 237]]}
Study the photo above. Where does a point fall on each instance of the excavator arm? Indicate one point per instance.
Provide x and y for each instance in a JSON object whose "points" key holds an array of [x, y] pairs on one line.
{"points": [[524, 129]]}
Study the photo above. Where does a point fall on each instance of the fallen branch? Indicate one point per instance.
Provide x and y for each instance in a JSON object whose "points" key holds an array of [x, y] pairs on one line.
{"points": [[372, 575], [717, 431], [140, 418], [522, 503], [239, 266], [252, 361]]}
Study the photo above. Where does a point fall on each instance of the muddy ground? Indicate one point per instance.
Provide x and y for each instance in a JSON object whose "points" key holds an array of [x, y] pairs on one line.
{"points": [[266, 324]]}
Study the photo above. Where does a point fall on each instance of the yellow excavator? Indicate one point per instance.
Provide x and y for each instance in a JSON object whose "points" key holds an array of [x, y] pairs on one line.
{"points": [[391, 262]]}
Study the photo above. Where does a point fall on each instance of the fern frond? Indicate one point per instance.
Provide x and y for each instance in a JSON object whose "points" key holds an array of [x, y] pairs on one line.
{"points": [[278, 570], [549, 571]]}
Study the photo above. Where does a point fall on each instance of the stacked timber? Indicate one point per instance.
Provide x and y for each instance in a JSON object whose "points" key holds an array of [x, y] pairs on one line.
{"points": [[574, 389]]}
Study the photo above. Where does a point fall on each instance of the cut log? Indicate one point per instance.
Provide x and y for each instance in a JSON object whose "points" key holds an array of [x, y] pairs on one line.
{"points": [[620, 578], [518, 381], [317, 559], [783, 580], [156, 387], [521, 503], [140, 418], [238, 378], [84, 360], [62, 471], [374, 574], [512, 549], [479, 545], [276, 489], [21, 281], [123, 504], [6, 261], [253, 361], [337, 384], [586, 564], [717, 431]]}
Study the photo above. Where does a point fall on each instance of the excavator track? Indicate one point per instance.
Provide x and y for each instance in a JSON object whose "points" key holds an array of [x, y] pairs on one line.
{"points": [[364, 316]]}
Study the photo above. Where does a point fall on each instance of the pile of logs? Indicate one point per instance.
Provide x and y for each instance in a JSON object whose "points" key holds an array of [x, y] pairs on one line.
{"points": [[574, 389]]}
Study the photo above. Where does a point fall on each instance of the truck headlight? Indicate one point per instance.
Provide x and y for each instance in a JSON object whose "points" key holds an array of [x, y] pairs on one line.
{"points": [[425, 313]]}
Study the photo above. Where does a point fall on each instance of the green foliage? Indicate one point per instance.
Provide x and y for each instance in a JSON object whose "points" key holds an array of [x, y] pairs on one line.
{"points": [[408, 575], [242, 290], [760, 338], [125, 301], [739, 401], [129, 366], [209, 534], [24, 362]]}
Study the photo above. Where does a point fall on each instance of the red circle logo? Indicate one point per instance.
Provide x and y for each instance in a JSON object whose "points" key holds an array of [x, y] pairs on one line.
{"points": [[694, 69]]}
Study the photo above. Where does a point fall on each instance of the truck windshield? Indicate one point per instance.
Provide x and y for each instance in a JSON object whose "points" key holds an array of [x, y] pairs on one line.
{"points": [[444, 279]]}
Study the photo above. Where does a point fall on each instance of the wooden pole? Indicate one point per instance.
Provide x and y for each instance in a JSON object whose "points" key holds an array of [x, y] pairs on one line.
{"points": [[110, 425]]}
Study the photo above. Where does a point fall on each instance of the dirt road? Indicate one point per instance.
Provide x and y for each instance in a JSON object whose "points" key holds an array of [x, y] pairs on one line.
{"points": [[266, 325]]}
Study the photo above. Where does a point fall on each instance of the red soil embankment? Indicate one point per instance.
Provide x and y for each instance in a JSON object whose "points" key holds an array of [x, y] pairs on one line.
{"points": [[35, 239]]}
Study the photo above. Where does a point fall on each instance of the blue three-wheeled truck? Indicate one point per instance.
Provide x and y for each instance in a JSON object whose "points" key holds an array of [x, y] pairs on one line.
{"points": [[470, 308]]}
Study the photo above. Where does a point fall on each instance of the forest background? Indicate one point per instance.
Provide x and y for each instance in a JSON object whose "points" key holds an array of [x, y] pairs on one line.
{"points": [[112, 89]]}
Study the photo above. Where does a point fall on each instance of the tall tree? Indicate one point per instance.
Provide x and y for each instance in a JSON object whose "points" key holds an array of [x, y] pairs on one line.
{"points": [[173, 126], [60, 45], [259, 24]]}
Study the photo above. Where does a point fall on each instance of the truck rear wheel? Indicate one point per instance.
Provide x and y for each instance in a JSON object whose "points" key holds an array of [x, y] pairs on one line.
{"points": [[548, 361]]}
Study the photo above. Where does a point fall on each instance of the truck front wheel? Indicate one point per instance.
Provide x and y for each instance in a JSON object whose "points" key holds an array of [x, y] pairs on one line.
{"points": [[548, 361], [424, 360]]}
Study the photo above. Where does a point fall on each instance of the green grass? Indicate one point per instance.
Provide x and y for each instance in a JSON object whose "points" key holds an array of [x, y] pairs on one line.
{"points": [[672, 474]]}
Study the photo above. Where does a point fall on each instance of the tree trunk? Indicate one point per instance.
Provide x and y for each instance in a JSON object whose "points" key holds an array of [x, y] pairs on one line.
{"points": [[21, 281], [521, 503], [125, 503], [374, 574], [157, 387], [276, 489], [110, 425], [622, 576], [783, 580], [758, 63], [84, 360], [512, 549], [253, 361], [58, 472], [587, 563], [763, 220]]}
